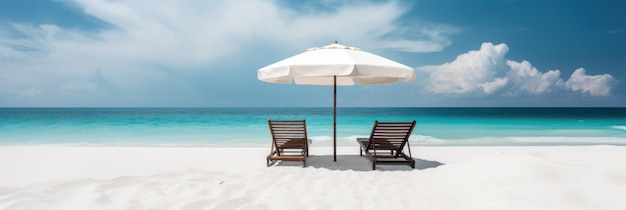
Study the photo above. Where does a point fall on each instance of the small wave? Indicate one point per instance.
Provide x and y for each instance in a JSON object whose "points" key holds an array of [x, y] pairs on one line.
{"points": [[321, 138], [619, 127], [570, 140], [433, 141], [339, 138], [513, 141]]}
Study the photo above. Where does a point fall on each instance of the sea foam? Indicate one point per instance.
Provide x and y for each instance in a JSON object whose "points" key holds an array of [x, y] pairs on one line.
{"points": [[619, 127]]}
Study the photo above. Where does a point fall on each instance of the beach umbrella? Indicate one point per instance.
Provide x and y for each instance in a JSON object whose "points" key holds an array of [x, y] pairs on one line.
{"points": [[336, 65]]}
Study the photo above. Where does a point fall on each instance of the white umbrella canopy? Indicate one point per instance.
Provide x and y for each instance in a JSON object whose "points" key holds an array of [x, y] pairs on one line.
{"points": [[319, 66], [335, 65]]}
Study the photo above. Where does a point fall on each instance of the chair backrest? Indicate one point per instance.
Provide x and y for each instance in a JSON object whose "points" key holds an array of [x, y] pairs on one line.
{"points": [[287, 130], [394, 133]]}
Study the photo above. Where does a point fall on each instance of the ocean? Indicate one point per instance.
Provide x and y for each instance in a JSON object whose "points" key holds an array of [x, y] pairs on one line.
{"points": [[248, 126]]}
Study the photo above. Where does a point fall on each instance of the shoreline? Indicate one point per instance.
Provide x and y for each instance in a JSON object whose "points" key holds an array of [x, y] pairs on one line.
{"points": [[446, 177], [415, 140]]}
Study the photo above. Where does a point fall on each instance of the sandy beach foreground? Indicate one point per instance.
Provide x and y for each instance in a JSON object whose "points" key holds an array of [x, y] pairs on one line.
{"points": [[522, 177]]}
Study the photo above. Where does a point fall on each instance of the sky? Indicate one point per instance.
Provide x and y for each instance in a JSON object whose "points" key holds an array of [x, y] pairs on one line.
{"points": [[206, 53]]}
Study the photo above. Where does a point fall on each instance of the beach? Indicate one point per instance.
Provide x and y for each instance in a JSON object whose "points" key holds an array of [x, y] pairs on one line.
{"points": [[445, 177], [150, 105]]}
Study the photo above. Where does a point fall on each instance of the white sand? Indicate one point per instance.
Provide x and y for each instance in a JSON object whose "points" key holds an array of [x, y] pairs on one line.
{"points": [[559, 177]]}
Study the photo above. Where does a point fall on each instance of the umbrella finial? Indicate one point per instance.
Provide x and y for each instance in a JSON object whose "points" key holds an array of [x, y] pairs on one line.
{"points": [[336, 42]]}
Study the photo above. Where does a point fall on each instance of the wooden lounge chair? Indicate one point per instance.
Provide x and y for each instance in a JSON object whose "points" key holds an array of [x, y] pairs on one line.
{"points": [[386, 144], [289, 141]]}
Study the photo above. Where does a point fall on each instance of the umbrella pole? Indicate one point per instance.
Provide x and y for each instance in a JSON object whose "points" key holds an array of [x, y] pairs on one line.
{"points": [[335, 119]]}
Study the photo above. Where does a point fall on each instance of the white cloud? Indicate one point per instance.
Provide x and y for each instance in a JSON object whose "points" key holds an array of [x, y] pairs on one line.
{"points": [[491, 87], [192, 33], [30, 92], [526, 78], [415, 46], [595, 85], [430, 39], [477, 72], [469, 72], [146, 40]]}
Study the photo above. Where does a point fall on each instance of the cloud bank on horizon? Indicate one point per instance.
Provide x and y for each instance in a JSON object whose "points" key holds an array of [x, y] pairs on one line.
{"points": [[486, 71], [145, 52]]}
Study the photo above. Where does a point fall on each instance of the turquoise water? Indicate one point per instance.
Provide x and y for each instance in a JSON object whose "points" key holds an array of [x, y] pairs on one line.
{"points": [[248, 126]]}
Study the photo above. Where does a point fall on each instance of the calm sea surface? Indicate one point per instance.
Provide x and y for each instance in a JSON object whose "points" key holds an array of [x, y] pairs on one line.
{"points": [[248, 126]]}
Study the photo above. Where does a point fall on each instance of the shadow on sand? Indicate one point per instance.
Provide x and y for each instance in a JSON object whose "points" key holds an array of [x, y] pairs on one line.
{"points": [[357, 163]]}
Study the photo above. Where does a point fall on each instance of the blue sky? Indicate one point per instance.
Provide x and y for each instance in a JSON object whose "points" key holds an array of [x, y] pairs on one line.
{"points": [[199, 53]]}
